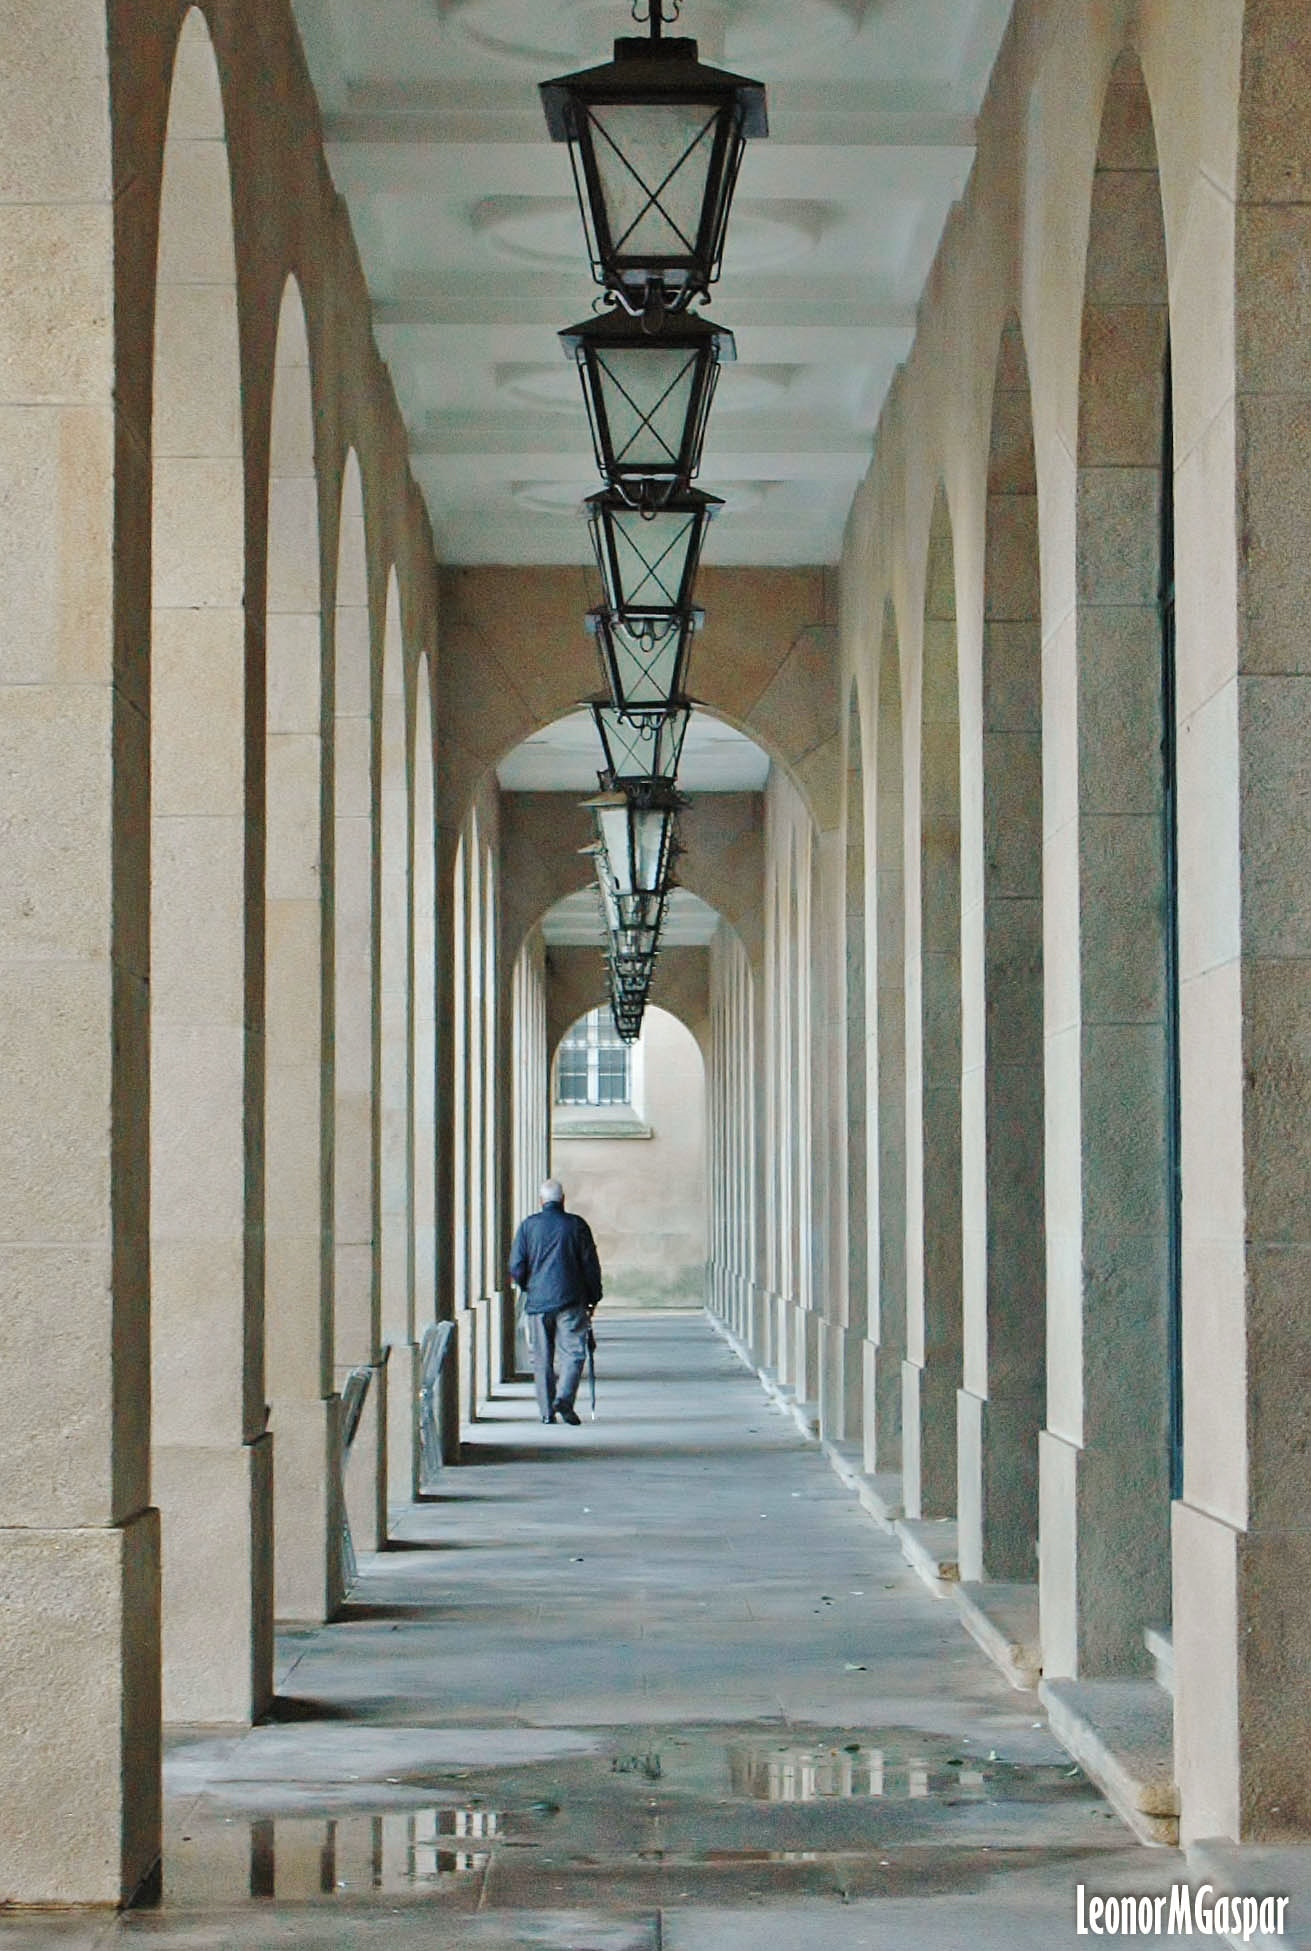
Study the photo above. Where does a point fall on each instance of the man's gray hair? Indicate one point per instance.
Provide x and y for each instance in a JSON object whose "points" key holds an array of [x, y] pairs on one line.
{"points": [[551, 1193]]}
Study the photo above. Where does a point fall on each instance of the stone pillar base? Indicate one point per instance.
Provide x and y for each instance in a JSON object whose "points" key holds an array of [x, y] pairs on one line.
{"points": [[1242, 1658], [928, 1441], [306, 1436], [216, 1516], [80, 1713], [882, 1417], [403, 1377]]}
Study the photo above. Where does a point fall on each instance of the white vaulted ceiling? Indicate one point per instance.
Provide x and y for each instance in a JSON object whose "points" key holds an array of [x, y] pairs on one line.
{"points": [[473, 248]]}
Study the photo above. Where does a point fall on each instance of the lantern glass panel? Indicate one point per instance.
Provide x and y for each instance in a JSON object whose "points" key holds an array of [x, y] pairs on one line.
{"points": [[642, 744], [653, 164], [648, 397], [639, 910], [651, 832], [648, 560], [612, 823], [644, 670]]}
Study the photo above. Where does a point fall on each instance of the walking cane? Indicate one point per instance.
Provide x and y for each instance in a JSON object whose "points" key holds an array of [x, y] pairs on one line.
{"points": [[591, 1369]]}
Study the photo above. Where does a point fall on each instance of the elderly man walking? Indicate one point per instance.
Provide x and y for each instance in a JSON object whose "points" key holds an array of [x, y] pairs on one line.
{"points": [[554, 1261]]}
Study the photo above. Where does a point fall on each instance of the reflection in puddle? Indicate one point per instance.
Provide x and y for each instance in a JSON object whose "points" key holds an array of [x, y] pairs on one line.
{"points": [[809, 1774], [294, 1858]]}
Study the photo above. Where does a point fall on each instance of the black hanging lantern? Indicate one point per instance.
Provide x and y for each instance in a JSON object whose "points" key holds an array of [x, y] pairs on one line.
{"points": [[637, 831], [648, 560], [648, 396], [644, 668], [656, 140], [640, 940], [630, 979], [641, 745], [627, 1019]]}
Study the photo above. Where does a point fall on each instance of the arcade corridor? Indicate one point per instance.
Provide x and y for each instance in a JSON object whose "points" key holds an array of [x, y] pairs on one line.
{"points": [[656, 1684], [984, 868]]}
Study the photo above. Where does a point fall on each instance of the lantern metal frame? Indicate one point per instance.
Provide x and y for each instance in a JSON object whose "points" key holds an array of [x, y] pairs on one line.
{"points": [[647, 462], [652, 74], [649, 588], [639, 881], [641, 747], [639, 937], [644, 669]]}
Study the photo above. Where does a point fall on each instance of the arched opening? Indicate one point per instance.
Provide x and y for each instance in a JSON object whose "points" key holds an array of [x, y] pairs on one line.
{"points": [[713, 954], [1002, 1398], [298, 1275], [934, 1273], [887, 1340], [1112, 1020], [860, 1138], [212, 1466], [628, 1143], [355, 1192], [395, 948]]}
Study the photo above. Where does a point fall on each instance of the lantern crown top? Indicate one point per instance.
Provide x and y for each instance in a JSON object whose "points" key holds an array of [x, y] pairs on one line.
{"points": [[647, 69]]}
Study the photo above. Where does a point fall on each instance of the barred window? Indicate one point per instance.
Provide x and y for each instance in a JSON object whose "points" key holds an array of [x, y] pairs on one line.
{"points": [[592, 1067]]}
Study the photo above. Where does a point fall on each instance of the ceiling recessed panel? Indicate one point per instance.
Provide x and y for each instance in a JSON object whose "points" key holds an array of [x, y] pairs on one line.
{"points": [[738, 31], [473, 247]]}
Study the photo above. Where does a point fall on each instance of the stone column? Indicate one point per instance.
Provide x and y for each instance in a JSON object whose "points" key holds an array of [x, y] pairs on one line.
{"points": [[931, 1375], [212, 1462], [396, 1166], [447, 1101], [79, 1547], [1242, 1530], [1001, 1404], [355, 1152], [1104, 1453], [886, 1342], [304, 1411]]}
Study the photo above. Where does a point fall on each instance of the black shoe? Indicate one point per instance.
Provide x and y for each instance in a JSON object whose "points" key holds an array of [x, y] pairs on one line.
{"points": [[568, 1415], [550, 1418]]}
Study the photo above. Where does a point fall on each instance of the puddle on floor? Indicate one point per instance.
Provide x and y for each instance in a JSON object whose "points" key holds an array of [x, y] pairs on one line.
{"points": [[295, 1858], [719, 1799], [779, 1773]]}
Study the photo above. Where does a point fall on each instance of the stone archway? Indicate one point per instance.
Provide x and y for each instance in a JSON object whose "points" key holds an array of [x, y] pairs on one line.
{"points": [[516, 658]]}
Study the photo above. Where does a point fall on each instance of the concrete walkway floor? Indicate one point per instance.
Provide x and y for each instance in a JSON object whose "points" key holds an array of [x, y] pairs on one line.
{"points": [[655, 1684]]}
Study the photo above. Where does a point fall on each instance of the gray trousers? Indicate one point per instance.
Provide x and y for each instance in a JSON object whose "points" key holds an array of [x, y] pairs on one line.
{"points": [[562, 1334]]}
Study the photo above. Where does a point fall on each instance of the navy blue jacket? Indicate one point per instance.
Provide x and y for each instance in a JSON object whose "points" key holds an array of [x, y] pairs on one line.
{"points": [[554, 1260]]}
